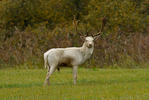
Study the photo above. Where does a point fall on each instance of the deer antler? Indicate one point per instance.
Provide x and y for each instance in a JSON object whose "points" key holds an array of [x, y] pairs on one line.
{"points": [[75, 23], [102, 27]]}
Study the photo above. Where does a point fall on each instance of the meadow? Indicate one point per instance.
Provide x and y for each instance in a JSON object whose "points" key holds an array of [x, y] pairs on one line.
{"points": [[92, 84]]}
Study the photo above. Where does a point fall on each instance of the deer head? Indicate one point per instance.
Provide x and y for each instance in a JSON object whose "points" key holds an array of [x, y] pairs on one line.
{"points": [[89, 39]]}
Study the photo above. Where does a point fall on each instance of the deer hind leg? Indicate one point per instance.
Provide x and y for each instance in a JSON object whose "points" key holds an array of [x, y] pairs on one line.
{"points": [[49, 73], [58, 69]]}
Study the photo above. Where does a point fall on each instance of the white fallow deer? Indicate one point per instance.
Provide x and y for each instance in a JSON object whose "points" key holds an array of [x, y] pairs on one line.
{"points": [[71, 56]]}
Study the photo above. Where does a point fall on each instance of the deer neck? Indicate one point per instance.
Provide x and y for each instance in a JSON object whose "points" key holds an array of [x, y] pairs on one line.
{"points": [[86, 52]]}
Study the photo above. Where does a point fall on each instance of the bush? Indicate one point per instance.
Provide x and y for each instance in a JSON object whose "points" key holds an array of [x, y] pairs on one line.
{"points": [[28, 28]]}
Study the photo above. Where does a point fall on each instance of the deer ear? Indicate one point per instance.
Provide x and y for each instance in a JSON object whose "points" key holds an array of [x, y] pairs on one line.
{"points": [[82, 37], [96, 37]]}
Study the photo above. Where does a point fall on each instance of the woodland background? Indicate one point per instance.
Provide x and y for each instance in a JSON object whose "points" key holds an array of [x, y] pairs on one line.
{"points": [[28, 28]]}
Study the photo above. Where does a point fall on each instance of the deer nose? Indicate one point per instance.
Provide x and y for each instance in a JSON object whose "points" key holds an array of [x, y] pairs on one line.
{"points": [[89, 45]]}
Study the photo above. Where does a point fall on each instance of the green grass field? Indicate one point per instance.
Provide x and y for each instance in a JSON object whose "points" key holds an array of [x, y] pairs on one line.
{"points": [[92, 84]]}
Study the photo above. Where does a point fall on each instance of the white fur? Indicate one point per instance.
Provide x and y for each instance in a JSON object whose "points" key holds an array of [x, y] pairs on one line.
{"points": [[73, 56]]}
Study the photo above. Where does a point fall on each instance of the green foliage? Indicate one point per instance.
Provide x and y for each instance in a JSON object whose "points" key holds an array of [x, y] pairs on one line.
{"points": [[22, 13], [121, 15]]}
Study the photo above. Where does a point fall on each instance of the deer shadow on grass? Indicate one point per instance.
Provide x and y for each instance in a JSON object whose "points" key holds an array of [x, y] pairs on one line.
{"points": [[80, 82], [100, 82], [17, 85], [111, 81]]}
